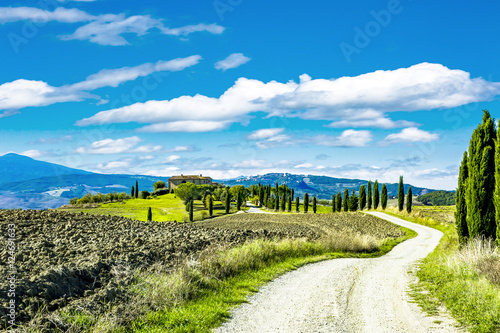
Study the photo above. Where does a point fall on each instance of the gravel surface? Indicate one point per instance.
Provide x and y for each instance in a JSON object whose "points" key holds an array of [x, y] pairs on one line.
{"points": [[346, 295]]}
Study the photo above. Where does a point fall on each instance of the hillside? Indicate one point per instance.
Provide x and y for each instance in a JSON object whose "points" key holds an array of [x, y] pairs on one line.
{"points": [[16, 168], [438, 198], [321, 186]]}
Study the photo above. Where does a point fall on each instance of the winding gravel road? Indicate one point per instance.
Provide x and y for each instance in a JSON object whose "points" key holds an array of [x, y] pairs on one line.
{"points": [[346, 295]]}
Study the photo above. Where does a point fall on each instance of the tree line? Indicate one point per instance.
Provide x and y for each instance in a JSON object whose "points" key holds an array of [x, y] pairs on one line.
{"points": [[478, 192]]}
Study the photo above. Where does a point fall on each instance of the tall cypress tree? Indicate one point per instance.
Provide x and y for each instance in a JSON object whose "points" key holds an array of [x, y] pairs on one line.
{"points": [[333, 203], [353, 202], [150, 215], [346, 200], [401, 194], [283, 201], [293, 193], [289, 203], [362, 197], [383, 197], [481, 182], [497, 184], [409, 200], [461, 206], [132, 192], [227, 201], [339, 202], [376, 195], [369, 192], [211, 205], [297, 204], [314, 204], [136, 189], [306, 202], [191, 210]]}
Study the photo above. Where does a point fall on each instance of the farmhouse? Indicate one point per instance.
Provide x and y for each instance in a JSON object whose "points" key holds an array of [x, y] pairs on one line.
{"points": [[175, 181]]}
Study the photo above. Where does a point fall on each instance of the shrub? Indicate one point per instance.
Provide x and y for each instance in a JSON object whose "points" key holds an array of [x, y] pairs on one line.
{"points": [[144, 194], [159, 185]]}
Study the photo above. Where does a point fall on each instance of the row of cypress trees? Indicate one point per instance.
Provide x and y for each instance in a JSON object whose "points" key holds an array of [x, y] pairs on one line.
{"points": [[478, 192], [367, 198]]}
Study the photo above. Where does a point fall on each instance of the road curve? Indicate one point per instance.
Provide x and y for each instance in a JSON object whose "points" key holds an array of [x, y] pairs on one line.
{"points": [[345, 295]]}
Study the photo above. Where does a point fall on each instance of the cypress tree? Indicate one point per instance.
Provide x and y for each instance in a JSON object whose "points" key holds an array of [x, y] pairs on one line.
{"points": [[339, 202], [239, 201], [461, 206], [362, 197], [136, 189], [481, 182], [261, 196], [132, 193], [314, 204], [191, 211], [283, 201], [369, 193], [401, 194], [289, 203], [211, 205], [277, 203], [353, 202], [297, 204], [306, 203], [346, 200], [228, 201], [293, 193], [383, 197], [497, 185], [376, 195], [333, 203], [409, 200], [150, 215]]}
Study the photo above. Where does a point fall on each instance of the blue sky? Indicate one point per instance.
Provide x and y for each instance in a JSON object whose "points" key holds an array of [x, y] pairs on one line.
{"points": [[357, 89]]}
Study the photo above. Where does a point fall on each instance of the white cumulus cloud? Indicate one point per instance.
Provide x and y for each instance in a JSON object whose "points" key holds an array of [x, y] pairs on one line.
{"points": [[411, 134], [264, 133], [110, 146], [232, 61]]}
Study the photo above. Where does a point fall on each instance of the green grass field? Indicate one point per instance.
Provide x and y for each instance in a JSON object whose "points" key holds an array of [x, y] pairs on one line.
{"points": [[164, 208]]}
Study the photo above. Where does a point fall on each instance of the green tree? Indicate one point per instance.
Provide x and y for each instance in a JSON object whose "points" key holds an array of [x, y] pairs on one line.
{"points": [[314, 204], [409, 200], [497, 185], [227, 202], [277, 203], [158, 185], [132, 192], [144, 194], [376, 195], [461, 206], [383, 197], [186, 192], [306, 203], [339, 202], [289, 203], [346, 200], [362, 197], [401, 194], [210, 200], [297, 205], [333, 203], [239, 202], [481, 182], [191, 211], [150, 215], [136, 189], [283, 201], [369, 193], [353, 202]]}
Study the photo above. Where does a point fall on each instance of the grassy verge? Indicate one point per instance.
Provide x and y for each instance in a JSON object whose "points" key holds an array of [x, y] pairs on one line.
{"points": [[164, 208], [448, 276], [198, 296]]}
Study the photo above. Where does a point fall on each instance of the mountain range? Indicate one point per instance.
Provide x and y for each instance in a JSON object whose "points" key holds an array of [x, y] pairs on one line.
{"points": [[30, 184]]}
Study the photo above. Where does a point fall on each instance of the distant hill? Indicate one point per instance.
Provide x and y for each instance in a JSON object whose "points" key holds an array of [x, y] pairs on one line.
{"points": [[53, 192], [438, 198], [15, 168], [321, 186]]}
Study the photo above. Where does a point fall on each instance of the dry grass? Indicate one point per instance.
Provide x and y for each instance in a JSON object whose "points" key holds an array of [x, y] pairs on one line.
{"points": [[480, 255]]}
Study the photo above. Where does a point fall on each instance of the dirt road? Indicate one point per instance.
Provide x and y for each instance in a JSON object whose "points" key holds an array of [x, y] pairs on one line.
{"points": [[345, 295]]}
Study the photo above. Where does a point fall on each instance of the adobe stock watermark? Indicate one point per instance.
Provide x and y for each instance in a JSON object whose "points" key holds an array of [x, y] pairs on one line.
{"points": [[11, 275], [30, 28], [364, 36], [223, 6]]}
